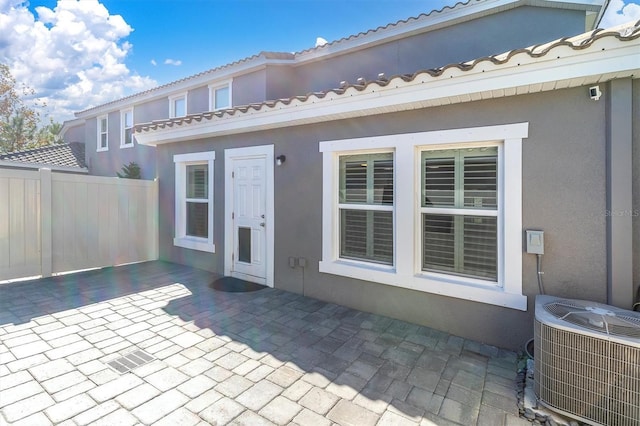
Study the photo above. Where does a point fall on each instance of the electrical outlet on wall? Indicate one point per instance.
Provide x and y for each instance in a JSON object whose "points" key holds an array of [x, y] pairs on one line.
{"points": [[535, 241]]}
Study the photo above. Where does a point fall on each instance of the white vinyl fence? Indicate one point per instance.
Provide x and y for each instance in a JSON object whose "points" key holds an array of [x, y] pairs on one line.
{"points": [[58, 222]]}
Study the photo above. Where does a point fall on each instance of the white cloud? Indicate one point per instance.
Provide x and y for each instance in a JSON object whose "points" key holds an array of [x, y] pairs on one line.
{"points": [[320, 41], [175, 62], [153, 62], [73, 56], [620, 13]]}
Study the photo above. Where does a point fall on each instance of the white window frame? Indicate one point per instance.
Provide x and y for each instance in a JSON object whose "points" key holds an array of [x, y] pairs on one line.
{"points": [[101, 148], [212, 94], [406, 271], [172, 104], [181, 238], [123, 128]]}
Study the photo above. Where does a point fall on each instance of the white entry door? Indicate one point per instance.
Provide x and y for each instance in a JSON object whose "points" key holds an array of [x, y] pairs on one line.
{"points": [[249, 251], [250, 205]]}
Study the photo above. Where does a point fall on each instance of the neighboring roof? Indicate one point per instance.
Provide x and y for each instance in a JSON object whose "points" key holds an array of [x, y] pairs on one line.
{"points": [[63, 157], [589, 58], [448, 15]]}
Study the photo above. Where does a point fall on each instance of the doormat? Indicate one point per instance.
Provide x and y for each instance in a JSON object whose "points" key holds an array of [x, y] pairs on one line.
{"points": [[235, 285]]}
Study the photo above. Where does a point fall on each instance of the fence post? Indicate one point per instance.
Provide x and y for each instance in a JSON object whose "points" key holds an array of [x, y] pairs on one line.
{"points": [[46, 255]]}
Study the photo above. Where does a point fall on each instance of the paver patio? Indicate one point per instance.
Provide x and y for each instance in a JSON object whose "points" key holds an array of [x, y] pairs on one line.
{"points": [[264, 357]]}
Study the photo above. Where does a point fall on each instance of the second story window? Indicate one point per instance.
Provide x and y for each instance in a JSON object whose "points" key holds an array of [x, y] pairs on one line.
{"points": [[220, 96], [178, 105], [103, 133], [127, 128]]}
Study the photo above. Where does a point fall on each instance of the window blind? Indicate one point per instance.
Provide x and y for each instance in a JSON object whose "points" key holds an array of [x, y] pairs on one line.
{"points": [[454, 241], [366, 207]]}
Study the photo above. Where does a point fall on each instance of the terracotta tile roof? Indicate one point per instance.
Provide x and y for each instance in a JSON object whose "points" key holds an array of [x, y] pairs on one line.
{"points": [[625, 32], [61, 155]]}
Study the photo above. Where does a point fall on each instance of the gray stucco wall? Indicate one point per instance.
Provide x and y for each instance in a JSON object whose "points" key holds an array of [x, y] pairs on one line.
{"points": [[75, 134], [249, 88], [107, 163], [198, 100], [488, 35], [156, 109], [564, 170]]}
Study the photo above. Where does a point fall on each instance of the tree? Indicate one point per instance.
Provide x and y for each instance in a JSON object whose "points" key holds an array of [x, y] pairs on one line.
{"points": [[130, 171], [19, 124]]}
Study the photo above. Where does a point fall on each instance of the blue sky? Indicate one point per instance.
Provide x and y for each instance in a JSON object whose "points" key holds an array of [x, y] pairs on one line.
{"points": [[81, 54]]}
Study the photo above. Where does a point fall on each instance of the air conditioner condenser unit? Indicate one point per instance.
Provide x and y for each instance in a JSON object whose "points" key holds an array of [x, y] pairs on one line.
{"points": [[587, 360]]}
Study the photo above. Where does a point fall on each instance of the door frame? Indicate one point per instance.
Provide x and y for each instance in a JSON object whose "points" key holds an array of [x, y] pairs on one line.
{"points": [[230, 155]]}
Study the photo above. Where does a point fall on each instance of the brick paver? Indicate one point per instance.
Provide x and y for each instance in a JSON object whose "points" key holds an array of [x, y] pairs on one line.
{"points": [[266, 357]]}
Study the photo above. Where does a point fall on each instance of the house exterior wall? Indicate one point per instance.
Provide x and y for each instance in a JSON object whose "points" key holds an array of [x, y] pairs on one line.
{"points": [[75, 134], [107, 163], [198, 100], [156, 109], [562, 125], [249, 88], [488, 35]]}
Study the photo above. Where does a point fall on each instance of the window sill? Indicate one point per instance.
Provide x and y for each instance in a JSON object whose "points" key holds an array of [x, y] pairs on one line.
{"points": [[200, 244], [102, 149], [445, 286], [130, 145]]}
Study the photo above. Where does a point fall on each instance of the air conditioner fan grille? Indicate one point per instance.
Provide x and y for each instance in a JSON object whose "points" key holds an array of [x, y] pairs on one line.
{"points": [[593, 316]]}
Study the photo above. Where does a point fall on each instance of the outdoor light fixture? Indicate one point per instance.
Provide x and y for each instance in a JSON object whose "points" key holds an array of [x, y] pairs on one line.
{"points": [[280, 159]]}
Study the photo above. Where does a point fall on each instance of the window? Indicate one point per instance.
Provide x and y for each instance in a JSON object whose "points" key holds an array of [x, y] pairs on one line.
{"points": [[366, 207], [103, 133], [459, 207], [220, 96], [438, 212], [194, 201], [127, 128], [178, 105]]}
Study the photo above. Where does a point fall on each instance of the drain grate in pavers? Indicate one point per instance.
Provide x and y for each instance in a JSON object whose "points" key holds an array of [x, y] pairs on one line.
{"points": [[129, 362]]}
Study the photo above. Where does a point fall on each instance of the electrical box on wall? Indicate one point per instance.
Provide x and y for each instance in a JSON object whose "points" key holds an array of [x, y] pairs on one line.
{"points": [[535, 241]]}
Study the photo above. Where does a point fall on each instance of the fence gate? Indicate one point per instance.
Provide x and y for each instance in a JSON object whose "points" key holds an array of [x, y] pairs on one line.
{"points": [[58, 222]]}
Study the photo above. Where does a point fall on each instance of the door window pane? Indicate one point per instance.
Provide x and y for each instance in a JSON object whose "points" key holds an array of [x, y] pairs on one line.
{"points": [[244, 244]]}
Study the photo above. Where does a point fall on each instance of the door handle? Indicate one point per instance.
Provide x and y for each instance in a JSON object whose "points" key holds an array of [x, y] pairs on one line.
{"points": [[262, 216], [262, 224]]}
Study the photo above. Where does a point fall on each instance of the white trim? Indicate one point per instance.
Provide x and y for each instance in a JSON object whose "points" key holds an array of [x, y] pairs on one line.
{"points": [[123, 142], [262, 151], [180, 238], [214, 87], [100, 148], [172, 105], [406, 271]]}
